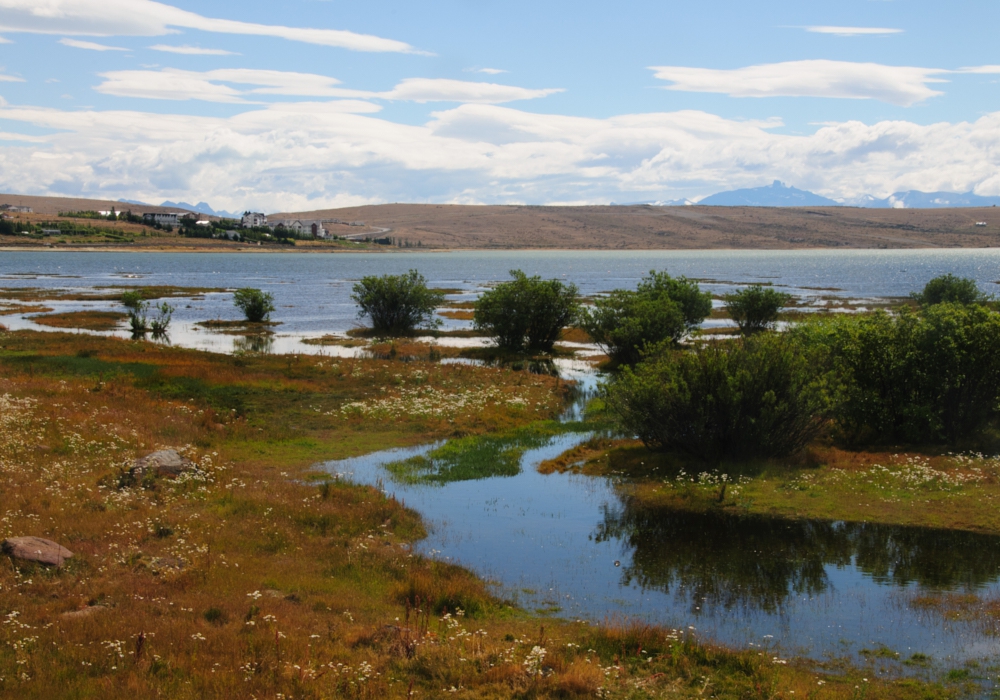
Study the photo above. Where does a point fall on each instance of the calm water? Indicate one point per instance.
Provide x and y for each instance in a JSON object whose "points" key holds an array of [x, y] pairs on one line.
{"points": [[580, 547], [578, 544], [312, 291]]}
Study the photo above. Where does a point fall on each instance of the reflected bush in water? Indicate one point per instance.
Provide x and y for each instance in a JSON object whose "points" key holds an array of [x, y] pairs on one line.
{"points": [[756, 563], [258, 344]]}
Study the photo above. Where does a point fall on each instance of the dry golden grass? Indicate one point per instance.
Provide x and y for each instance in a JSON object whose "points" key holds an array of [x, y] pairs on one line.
{"points": [[241, 579], [88, 320]]}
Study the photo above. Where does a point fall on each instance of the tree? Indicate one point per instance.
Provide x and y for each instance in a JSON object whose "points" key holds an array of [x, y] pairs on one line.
{"points": [[255, 304], [695, 304], [661, 310], [527, 313], [949, 288], [752, 398], [755, 308], [625, 324], [397, 304]]}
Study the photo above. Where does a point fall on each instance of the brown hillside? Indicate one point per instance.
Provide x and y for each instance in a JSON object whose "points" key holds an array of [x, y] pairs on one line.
{"points": [[647, 227]]}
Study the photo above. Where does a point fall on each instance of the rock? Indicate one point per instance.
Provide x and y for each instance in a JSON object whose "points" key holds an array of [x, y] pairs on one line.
{"points": [[165, 462], [35, 549]]}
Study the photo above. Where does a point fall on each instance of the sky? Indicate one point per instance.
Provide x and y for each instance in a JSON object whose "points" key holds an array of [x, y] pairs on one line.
{"points": [[310, 104]]}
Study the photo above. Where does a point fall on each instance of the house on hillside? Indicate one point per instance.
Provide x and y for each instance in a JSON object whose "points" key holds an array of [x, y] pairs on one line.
{"points": [[163, 218], [252, 219], [301, 227], [15, 209]]}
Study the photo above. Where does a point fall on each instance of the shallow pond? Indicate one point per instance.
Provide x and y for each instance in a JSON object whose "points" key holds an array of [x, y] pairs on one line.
{"points": [[579, 547]]}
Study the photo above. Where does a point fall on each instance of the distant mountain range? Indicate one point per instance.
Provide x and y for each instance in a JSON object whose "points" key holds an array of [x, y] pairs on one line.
{"points": [[780, 195], [202, 208]]}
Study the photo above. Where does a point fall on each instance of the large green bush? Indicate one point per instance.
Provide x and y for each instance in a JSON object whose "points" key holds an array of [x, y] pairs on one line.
{"points": [[695, 305], [758, 397], [950, 289], [527, 313], [755, 308], [255, 304], [397, 304], [627, 324], [926, 377]]}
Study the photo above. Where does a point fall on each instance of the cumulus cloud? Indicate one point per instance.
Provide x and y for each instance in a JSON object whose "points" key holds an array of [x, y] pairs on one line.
{"points": [[853, 31], [149, 18], [192, 50], [211, 86], [89, 45], [898, 85], [331, 153]]}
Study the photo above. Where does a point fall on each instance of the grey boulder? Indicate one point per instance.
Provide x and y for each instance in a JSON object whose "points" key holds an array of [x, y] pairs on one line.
{"points": [[35, 549], [164, 463]]}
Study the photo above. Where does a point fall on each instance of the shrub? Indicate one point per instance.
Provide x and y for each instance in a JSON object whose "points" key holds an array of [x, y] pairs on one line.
{"points": [[755, 308], [164, 312], [138, 315], [695, 304], [950, 289], [915, 377], [255, 304], [625, 324], [527, 313], [752, 398], [397, 304]]}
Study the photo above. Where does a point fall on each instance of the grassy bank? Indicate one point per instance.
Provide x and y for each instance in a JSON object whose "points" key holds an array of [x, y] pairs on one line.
{"points": [[245, 578]]}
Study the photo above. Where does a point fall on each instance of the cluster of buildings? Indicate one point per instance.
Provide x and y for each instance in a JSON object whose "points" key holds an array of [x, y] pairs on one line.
{"points": [[14, 209], [301, 227]]}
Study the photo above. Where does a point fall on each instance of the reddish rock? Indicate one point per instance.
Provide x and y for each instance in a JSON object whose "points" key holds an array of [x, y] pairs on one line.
{"points": [[35, 549]]}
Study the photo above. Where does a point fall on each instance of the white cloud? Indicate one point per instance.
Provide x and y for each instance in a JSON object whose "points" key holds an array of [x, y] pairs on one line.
{"points": [[853, 31], [898, 85], [982, 70], [211, 86], [444, 90], [192, 50], [4, 78], [4, 40], [489, 71], [89, 45], [149, 18], [310, 155]]}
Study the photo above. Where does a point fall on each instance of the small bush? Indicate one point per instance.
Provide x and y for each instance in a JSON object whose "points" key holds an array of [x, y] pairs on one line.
{"points": [[397, 304], [755, 308], [662, 309], [625, 324], [695, 304], [255, 304], [950, 289], [758, 397], [527, 313]]}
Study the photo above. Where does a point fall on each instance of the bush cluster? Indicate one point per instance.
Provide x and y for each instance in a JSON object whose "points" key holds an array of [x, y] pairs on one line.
{"points": [[256, 305], [755, 308], [526, 314], [930, 376], [626, 324], [397, 304], [758, 397]]}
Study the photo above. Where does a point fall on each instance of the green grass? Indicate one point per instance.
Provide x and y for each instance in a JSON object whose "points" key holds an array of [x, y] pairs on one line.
{"points": [[480, 456]]}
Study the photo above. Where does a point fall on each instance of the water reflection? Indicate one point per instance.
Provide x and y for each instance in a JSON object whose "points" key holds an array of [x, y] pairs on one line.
{"points": [[758, 563], [257, 344]]}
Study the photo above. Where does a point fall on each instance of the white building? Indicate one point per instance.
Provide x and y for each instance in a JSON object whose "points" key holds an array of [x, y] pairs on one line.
{"points": [[252, 219], [301, 227], [168, 218]]}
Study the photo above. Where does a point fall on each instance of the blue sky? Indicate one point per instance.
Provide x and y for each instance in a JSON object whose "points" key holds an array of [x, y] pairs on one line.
{"points": [[309, 104]]}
